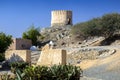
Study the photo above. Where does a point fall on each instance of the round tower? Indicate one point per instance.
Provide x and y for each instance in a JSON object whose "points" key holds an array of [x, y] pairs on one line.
{"points": [[61, 18]]}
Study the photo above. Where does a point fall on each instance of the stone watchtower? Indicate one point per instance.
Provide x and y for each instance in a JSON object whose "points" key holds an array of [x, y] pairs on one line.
{"points": [[61, 18]]}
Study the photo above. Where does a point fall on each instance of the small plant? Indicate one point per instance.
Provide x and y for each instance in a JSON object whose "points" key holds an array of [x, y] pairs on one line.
{"points": [[65, 72], [18, 65], [5, 77], [37, 73], [19, 75]]}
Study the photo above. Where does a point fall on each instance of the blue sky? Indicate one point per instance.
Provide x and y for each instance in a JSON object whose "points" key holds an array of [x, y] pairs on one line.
{"points": [[16, 16]]}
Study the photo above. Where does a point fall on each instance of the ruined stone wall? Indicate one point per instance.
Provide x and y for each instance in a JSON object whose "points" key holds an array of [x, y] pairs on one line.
{"points": [[52, 56], [18, 55], [61, 18], [20, 44]]}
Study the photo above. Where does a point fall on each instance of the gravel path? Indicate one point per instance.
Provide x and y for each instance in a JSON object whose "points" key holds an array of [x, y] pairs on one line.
{"points": [[100, 73]]}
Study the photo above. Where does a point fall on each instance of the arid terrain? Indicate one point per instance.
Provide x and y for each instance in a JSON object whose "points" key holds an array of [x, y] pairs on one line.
{"points": [[102, 69], [97, 62]]}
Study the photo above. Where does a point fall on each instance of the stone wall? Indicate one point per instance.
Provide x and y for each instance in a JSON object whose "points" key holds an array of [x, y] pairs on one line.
{"points": [[20, 44], [52, 56], [18, 55], [61, 18]]}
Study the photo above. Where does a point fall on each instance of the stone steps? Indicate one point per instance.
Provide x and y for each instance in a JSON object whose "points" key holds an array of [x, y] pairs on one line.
{"points": [[35, 56]]}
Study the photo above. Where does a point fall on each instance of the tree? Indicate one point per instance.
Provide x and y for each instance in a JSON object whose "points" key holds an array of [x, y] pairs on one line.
{"points": [[32, 33], [5, 41]]}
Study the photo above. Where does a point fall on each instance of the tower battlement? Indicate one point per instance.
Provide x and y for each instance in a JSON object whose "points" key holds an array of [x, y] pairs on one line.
{"points": [[61, 18]]}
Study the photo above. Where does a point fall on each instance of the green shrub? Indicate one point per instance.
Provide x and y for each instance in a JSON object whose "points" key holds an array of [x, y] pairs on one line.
{"points": [[65, 72], [107, 26], [6, 76], [2, 57], [18, 65], [37, 73], [56, 72], [20, 75]]}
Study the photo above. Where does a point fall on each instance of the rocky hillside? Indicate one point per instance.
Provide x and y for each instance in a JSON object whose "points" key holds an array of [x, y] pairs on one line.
{"points": [[97, 62], [62, 37]]}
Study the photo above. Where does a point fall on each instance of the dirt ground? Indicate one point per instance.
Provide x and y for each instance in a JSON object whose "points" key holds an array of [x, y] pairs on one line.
{"points": [[102, 69]]}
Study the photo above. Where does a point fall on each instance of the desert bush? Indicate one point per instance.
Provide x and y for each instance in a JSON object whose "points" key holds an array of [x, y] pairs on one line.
{"points": [[65, 72], [37, 73], [107, 26], [56, 72], [18, 65], [87, 29], [110, 24]]}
